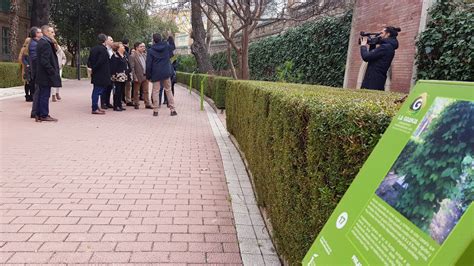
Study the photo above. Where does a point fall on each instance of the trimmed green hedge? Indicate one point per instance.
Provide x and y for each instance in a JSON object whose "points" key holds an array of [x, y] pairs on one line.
{"points": [[214, 86], [304, 145], [10, 75], [70, 72]]}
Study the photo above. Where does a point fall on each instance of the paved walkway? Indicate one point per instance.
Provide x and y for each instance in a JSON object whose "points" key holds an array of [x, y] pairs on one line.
{"points": [[125, 187]]}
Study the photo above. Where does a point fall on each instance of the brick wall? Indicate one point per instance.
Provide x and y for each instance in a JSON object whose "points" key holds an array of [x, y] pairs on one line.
{"points": [[372, 15]]}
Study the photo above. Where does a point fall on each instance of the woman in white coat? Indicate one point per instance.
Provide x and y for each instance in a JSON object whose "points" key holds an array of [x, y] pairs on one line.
{"points": [[62, 62]]}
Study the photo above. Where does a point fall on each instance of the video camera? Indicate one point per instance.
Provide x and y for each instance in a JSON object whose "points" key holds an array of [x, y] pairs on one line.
{"points": [[372, 38]]}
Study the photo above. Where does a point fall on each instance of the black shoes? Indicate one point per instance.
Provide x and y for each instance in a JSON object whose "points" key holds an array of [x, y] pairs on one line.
{"points": [[148, 107], [130, 104], [155, 113], [117, 109], [173, 113], [48, 119], [136, 107]]}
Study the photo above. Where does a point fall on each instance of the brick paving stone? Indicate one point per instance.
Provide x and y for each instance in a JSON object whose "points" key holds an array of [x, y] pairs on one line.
{"points": [[188, 257], [30, 257], [134, 246], [110, 257], [59, 246], [96, 246], [71, 257], [170, 246], [160, 197], [21, 246], [150, 257], [45, 237]]}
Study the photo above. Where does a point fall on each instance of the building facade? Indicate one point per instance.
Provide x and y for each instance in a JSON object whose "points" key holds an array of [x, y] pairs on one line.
{"points": [[23, 27]]}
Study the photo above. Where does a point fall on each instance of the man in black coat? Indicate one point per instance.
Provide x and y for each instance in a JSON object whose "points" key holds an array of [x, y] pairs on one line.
{"points": [[99, 62], [47, 72], [379, 59]]}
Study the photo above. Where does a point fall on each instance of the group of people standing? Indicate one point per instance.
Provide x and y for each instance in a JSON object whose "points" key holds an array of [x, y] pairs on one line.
{"points": [[114, 68], [42, 60]]}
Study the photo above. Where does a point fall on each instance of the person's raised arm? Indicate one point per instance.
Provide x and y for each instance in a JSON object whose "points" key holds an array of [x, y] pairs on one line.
{"points": [[149, 65]]}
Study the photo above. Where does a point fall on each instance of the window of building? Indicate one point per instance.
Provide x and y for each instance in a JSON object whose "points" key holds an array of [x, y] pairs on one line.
{"points": [[5, 40], [28, 5], [5, 5]]}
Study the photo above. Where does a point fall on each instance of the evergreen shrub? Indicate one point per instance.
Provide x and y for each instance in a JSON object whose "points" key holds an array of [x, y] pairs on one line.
{"points": [[304, 145]]}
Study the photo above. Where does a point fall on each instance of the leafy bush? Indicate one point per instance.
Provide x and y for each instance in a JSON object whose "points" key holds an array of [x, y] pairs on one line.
{"points": [[285, 73], [219, 60], [318, 50], [304, 145], [10, 74], [214, 86], [70, 72], [187, 63], [445, 50]]}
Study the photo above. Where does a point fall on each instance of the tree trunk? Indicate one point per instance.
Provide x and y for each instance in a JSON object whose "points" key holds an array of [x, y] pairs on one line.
{"points": [[40, 12], [199, 48], [244, 55], [209, 29], [230, 62], [14, 22]]}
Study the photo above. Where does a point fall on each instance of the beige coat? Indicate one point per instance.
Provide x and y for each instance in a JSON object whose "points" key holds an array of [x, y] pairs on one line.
{"points": [[138, 71], [62, 60]]}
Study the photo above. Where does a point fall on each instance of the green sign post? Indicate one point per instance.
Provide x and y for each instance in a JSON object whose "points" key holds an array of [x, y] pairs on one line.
{"points": [[191, 82], [411, 203]]}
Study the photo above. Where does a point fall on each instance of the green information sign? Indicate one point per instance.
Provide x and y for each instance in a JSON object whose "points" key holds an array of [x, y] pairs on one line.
{"points": [[411, 203]]}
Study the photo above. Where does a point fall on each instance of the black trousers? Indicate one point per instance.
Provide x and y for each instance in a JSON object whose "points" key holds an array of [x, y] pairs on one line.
{"points": [[118, 91], [34, 106], [105, 97], [29, 90]]}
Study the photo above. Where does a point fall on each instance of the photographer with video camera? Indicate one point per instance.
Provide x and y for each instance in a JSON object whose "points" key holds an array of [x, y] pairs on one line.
{"points": [[379, 56]]}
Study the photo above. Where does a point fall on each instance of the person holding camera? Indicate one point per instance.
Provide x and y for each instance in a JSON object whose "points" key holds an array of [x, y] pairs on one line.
{"points": [[379, 57]]}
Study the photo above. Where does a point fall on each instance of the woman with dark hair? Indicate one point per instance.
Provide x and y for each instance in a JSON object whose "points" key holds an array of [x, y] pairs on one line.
{"points": [[120, 72], [379, 59]]}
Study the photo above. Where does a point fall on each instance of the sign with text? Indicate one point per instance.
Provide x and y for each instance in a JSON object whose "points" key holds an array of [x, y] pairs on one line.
{"points": [[411, 203]]}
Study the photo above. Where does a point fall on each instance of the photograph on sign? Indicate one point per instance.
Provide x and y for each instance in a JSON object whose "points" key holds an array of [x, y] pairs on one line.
{"points": [[432, 181]]}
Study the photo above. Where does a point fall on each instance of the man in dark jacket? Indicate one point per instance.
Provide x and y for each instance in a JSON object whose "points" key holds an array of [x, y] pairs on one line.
{"points": [[47, 72], [35, 34], [158, 69], [379, 59], [100, 76]]}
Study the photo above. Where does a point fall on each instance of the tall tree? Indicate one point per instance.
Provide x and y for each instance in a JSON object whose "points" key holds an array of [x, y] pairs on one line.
{"points": [[236, 20], [246, 13], [40, 12], [14, 22], [198, 34]]}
